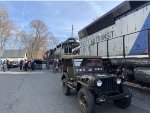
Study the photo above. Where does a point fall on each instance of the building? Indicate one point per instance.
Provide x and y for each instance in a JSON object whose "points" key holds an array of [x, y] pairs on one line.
{"points": [[13, 55]]}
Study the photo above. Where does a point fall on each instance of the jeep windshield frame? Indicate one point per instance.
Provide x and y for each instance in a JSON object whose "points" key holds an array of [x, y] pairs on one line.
{"points": [[88, 65]]}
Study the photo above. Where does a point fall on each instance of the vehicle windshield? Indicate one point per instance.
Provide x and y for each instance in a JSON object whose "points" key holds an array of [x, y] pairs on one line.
{"points": [[87, 65], [88, 62]]}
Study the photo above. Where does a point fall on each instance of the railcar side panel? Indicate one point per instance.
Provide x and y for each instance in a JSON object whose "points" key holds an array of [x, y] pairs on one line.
{"points": [[133, 26], [102, 48], [115, 47]]}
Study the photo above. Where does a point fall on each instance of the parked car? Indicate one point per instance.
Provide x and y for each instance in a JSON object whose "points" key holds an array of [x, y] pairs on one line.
{"points": [[86, 75]]}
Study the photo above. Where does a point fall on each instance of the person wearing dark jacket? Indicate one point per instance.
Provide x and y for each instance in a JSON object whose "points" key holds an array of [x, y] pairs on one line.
{"points": [[8, 64], [33, 65], [21, 65], [25, 66]]}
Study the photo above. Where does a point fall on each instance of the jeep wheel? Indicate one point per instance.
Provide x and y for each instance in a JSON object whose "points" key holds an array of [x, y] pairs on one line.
{"points": [[123, 103], [66, 89], [86, 101], [128, 74]]}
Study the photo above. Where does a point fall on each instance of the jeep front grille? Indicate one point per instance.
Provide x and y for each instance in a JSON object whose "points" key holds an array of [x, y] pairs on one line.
{"points": [[109, 85]]}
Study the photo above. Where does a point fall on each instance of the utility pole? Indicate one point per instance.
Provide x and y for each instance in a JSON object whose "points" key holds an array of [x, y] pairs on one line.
{"points": [[72, 31]]}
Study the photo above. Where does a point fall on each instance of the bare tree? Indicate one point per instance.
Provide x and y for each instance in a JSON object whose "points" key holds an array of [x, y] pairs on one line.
{"points": [[38, 38], [52, 41], [24, 39], [6, 27]]}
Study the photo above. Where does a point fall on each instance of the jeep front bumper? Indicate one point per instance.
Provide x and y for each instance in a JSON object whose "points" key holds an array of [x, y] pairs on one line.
{"points": [[104, 98]]}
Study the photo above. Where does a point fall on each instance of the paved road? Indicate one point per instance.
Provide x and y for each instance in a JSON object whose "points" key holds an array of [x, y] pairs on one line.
{"points": [[40, 92]]}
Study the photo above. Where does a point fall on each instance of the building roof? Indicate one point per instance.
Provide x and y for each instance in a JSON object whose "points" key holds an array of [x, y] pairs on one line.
{"points": [[13, 54]]}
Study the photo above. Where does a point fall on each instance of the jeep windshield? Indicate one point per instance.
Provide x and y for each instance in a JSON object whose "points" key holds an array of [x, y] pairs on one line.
{"points": [[86, 65]]}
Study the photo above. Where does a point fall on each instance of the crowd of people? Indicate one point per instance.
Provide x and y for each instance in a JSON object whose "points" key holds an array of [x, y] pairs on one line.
{"points": [[23, 65], [6, 64], [27, 65]]}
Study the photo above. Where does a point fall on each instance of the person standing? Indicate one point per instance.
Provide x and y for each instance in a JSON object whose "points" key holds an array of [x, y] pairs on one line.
{"points": [[11, 64], [24, 61], [56, 66], [8, 64], [1, 63], [29, 65], [33, 65], [4, 65], [21, 65], [25, 65]]}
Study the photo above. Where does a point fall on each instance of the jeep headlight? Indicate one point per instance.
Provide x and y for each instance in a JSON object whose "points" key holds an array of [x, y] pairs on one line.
{"points": [[118, 81], [99, 83]]}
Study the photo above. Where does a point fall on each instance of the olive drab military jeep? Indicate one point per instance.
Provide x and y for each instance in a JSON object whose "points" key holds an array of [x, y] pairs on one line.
{"points": [[86, 74]]}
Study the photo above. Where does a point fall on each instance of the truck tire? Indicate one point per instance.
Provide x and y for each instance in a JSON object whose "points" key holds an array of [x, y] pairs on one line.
{"points": [[86, 101], [66, 89], [123, 103]]}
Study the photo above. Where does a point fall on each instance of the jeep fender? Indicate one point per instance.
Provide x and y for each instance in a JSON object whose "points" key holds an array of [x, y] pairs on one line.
{"points": [[64, 76], [79, 86]]}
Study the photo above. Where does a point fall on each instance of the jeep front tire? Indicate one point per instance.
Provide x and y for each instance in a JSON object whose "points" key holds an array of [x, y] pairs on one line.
{"points": [[66, 89], [86, 101], [123, 103]]}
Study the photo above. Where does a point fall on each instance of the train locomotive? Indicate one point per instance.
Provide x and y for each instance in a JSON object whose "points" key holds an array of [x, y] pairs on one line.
{"points": [[122, 38], [64, 48]]}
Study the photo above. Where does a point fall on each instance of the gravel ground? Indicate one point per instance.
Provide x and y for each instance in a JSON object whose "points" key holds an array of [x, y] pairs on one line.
{"points": [[41, 92]]}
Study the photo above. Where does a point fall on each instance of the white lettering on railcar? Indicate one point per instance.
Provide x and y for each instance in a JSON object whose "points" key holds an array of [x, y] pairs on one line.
{"points": [[102, 37], [93, 39]]}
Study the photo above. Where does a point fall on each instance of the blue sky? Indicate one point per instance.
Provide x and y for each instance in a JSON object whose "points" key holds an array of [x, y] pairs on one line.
{"points": [[59, 15]]}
